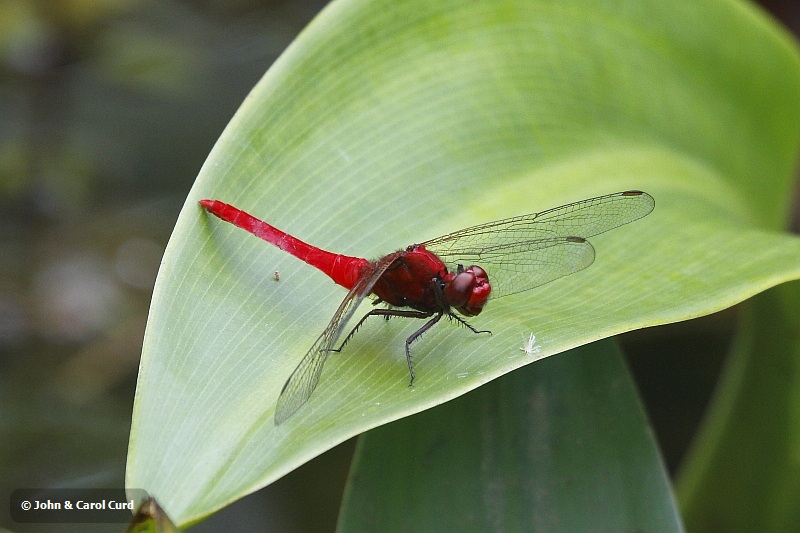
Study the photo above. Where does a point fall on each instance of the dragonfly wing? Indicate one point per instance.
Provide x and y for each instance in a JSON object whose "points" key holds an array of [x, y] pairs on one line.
{"points": [[520, 267], [586, 218], [301, 384], [527, 251]]}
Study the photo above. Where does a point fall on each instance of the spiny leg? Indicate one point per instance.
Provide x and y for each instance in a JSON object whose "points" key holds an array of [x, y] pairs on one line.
{"points": [[388, 313], [414, 336], [467, 324]]}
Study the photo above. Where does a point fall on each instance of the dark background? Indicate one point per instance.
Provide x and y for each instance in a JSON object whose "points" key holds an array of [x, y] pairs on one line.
{"points": [[108, 108]]}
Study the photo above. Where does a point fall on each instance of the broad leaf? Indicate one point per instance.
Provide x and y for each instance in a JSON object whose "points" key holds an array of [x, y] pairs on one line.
{"points": [[388, 123], [532, 452], [743, 473]]}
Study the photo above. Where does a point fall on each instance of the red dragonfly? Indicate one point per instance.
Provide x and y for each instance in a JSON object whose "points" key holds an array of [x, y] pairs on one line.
{"points": [[431, 278]]}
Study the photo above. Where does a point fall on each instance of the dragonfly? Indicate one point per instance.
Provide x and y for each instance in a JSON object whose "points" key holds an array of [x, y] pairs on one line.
{"points": [[458, 272]]}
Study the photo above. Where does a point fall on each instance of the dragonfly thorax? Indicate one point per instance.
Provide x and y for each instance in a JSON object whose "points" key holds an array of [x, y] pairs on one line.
{"points": [[411, 280]]}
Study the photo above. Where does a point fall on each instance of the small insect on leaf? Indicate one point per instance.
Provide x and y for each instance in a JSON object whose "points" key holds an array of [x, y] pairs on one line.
{"points": [[530, 347]]}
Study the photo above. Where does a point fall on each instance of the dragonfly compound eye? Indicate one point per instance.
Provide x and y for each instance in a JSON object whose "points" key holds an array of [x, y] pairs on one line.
{"points": [[468, 291]]}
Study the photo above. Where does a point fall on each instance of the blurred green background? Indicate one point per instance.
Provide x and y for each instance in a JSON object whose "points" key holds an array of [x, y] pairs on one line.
{"points": [[108, 108]]}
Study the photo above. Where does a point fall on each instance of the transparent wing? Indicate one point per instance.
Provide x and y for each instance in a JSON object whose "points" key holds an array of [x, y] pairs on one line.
{"points": [[301, 384], [527, 251], [520, 267]]}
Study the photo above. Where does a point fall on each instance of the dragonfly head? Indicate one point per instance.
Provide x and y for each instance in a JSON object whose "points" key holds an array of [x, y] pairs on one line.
{"points": [[467, 289]]}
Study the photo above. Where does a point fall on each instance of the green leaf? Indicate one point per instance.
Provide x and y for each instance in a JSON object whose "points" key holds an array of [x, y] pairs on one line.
{"points": [[743, 474], [387, 123], [530, 453]]}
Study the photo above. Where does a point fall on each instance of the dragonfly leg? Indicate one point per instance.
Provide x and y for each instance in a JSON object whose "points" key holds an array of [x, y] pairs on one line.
{"points": [[467, 324], [388, 313], [414, 336]]}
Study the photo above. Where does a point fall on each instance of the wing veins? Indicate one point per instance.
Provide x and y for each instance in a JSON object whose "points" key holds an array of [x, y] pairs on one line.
{"points": [[305, 377]]}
